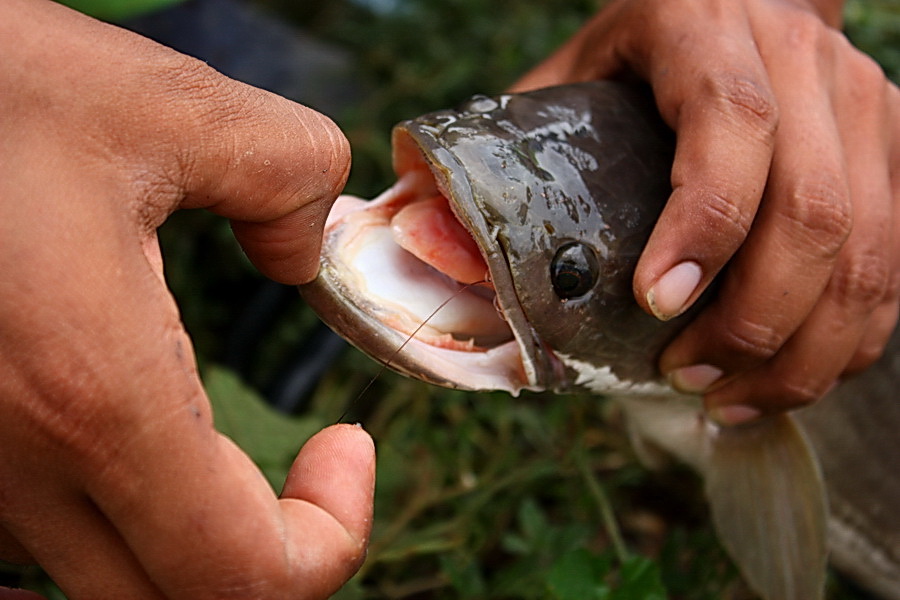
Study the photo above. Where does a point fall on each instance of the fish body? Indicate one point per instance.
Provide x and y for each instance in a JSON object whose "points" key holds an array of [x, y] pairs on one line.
{"points": [[558, 191]]}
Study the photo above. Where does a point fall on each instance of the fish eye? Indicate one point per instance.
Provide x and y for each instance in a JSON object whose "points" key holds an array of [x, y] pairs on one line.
{"points": [[574, 270]]}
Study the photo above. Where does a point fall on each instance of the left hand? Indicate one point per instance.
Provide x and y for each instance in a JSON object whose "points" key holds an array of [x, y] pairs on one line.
{"points": [[787, 167]]}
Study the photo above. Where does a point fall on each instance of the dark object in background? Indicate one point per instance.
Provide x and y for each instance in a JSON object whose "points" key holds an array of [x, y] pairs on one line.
{"points": [[246, 44]]}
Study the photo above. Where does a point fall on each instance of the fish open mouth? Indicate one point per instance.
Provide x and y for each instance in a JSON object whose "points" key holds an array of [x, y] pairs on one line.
{"points": [[405, 281], [418, 268]]}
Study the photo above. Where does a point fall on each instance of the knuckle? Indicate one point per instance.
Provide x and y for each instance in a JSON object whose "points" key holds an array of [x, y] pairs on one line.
{"points": [[192, 88], [865, 356], [726, 216], [865, 77], [251, 131], [796, 392], [876, 337], [752, 340], [862, 279], [806, 31], [819, 210], [744, 99]]}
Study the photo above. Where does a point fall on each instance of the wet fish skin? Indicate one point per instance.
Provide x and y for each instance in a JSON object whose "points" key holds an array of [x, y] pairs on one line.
{"points": [[527, 173], [505, 163]]}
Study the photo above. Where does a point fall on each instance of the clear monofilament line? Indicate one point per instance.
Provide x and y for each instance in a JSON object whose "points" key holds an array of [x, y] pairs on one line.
{"points": [[387, 364]]}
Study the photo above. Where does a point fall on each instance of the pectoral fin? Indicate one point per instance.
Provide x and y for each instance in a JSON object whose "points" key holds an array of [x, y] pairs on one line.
{"points": [[768, 505]]}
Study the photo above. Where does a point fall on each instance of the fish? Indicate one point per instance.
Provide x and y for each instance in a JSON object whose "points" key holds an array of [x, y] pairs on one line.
{"points": [[502, 259]]}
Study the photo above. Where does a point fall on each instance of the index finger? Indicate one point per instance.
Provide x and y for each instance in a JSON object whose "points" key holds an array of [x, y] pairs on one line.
{"points": [[725, 120]]}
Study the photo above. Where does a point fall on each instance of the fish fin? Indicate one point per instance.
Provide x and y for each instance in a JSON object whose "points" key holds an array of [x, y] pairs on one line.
{"points": [[663, 428], [769, 507]]}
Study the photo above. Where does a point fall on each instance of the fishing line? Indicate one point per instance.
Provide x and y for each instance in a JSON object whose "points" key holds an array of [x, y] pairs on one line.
{"points": [[387, 364]]}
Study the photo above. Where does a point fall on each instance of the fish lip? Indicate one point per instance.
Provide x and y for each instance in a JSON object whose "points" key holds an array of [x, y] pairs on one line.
{"points": [[416, 143]]}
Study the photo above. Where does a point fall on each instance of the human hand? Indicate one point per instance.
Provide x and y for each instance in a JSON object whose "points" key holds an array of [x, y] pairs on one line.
{"points": [[111, 474], [787, 165]]}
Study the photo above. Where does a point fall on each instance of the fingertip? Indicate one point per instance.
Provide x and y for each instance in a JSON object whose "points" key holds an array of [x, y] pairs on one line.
{"points": [[286, 249], [695, 379], [352, 437], [335, 470], [345, 445], [734, 414], [671, 294]]}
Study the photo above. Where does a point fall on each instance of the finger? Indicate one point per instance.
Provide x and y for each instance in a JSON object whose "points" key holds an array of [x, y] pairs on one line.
{"points": [[77, 547], [804, 221], [866, 84], [8, 594], [807, 365], [884, 319], [12, 551], [339, 457], [196, 513], [875, 338], [271, 166], [725, 117], [221, 530]]}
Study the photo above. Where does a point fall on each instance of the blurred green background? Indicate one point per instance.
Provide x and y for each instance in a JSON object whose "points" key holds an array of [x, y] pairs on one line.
{"points": [[478, 495]]}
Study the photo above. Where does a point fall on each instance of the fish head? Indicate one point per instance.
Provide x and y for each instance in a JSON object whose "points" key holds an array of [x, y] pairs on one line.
{"points": [[503, 258], [559, 189]]}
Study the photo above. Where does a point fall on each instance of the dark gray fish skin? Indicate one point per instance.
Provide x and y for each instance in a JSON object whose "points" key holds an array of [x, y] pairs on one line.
{"points": [[528, 174], [522, 172]]}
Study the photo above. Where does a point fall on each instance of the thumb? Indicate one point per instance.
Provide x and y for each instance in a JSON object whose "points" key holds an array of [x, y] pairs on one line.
{"points": [[335, 471], [334, 474], [274, 168]]}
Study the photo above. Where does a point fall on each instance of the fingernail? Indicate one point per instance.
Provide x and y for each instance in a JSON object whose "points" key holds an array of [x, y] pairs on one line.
{"points": [[735, 414], [669, 296], [694, 379]]}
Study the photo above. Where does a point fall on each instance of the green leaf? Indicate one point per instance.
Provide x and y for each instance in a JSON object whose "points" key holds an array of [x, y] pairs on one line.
{"points": [[271, 439], [532, 521], [639, 578], [579, 575]]}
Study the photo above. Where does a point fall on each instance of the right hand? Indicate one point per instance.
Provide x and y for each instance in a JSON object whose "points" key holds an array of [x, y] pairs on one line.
{"points": [[787, 169]]}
